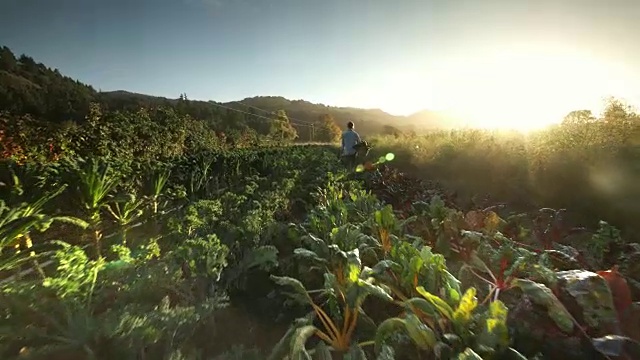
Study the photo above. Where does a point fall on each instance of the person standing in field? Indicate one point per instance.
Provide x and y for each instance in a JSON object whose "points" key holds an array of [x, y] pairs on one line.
{"points": [[350, 138]]}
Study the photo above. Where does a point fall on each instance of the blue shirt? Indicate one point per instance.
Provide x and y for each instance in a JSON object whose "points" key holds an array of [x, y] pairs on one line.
{"points": [[350, 139]]}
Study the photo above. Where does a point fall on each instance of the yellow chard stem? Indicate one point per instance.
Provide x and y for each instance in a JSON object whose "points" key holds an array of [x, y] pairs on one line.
{"points": [[326, 321], [397, 293], [352, 327], [347, 314], [325, 337]]}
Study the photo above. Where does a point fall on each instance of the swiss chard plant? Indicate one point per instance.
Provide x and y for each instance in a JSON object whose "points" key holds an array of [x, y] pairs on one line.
{"points": [[347, 283]]}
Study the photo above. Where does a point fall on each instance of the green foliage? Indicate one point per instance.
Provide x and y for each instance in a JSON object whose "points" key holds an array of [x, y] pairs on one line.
{"points": [[281, 128], [185, 218], [436, 327], [615, 345], [76, 275], [603, 242], [543, 296], [586, 164], [328, 131]]}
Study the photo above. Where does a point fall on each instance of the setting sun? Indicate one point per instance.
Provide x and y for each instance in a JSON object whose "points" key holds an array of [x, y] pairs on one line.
{"points": [[524, 89]]}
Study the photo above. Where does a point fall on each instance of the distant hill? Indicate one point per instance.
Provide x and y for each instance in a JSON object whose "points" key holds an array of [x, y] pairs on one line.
{"points": [[27, 87], [368, 121], [428, 119]]}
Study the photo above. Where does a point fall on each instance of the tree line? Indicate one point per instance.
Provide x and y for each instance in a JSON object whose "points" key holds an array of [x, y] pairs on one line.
{"points": [[44, 113]]}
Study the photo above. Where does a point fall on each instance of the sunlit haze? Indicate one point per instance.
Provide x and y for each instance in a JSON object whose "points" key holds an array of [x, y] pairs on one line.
{"points": [[515, 64]]}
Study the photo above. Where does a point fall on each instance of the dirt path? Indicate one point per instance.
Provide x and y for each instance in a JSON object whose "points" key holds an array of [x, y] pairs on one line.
{"points": [[235, 326]]}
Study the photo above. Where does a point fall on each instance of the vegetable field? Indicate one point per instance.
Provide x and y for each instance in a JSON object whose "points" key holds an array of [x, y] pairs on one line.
{"points": [[279, 253]]}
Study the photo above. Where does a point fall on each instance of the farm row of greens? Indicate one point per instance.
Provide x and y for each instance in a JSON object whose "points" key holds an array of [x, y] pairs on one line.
{"points": [[133, 259], [144, 244]]}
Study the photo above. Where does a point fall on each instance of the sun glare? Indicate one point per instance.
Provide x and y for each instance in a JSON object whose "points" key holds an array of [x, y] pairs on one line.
{"points": [[523, 90]]}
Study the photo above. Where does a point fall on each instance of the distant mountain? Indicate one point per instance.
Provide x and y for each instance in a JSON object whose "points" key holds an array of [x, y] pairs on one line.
{"points": [[428, 119], [368, 121], [27, 87], [300, 112]]}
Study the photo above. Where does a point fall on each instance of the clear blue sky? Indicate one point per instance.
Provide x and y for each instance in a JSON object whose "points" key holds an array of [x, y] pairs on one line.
{"points": [[401, 55]]}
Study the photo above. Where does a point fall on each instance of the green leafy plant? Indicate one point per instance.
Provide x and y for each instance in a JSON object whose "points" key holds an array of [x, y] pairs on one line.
{"points": [[125, 210], [349, 293], [96, 181], [16, 224], [450, 332]]}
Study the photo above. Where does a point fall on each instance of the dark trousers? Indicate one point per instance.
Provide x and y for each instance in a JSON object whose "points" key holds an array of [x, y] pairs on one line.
{"points": [[349, 161]]}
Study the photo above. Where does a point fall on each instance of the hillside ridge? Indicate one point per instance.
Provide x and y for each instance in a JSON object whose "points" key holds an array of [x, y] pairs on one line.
{"points": [[29, 87]]}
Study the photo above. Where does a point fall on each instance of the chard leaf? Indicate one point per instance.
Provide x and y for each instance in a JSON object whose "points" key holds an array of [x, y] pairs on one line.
{"points": [[299, 339], [422, 335], [299, 294], [468, 303], [468, 354], [386, 329], [440, 304], [542, 295]]}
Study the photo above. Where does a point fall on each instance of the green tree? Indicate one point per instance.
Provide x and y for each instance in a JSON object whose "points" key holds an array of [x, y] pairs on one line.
{"points": [[328, 131], [617, 112], [579, 117], [393, 131], [281, 128], [8, 61]]}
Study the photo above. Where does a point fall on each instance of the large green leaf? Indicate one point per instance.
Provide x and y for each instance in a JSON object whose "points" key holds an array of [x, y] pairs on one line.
{"points": [[495, 333], [542, 295], [298, 341], [385, 218], [592, 294], [357, 293], [386, 329], [12, 229], [380, 271], [299, 294], [309, 255], [263, 257], [355, 353], [386, 353], [283, 347], [415, 264], [72, 220], [440, 304], [452, 285], [322, 352], [421, 304], [354, 265], [442, 350], [477, 263], [422, 335], [468, 354], [349, 237], [615, 345]]}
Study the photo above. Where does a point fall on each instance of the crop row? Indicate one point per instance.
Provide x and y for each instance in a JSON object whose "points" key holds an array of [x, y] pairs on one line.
{"points": [[147, 256]]}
